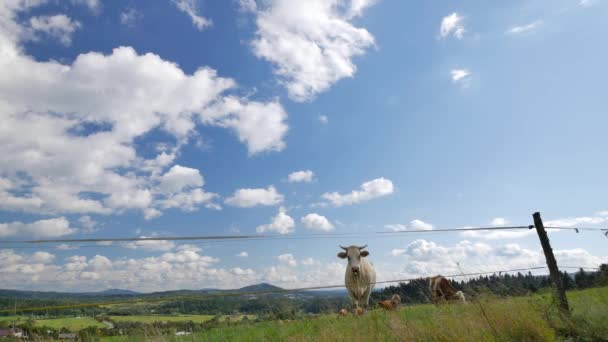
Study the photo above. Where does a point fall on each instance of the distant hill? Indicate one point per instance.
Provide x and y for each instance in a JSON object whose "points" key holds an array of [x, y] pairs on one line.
{"points": [[263, 287], [259, 288]]}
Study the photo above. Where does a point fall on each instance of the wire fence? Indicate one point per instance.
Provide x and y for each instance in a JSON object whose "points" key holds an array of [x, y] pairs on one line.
{"points": [[292, 237]]}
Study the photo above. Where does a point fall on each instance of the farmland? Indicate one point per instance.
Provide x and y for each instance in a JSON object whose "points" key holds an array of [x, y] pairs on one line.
{"points": [[489, 319]]}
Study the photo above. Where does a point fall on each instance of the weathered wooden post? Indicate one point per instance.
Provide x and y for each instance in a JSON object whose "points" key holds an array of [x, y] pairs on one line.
{"points": [[552, 264]]}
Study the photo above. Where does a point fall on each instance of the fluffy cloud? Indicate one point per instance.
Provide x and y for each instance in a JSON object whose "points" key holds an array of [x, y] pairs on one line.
{"points": [[247, 198], [525, 28], [423, 258], [413, 225], [281, 223], [243, 254], [57, 26], [452, 25], [179, 178], [369, 190], [316, 222], [301, 176], [151, 245], [70, 132], [459, 75], [54, 227], [288, 259], [323, 119], [310, 43], [191, 9], [577, 221], [500, 222]]}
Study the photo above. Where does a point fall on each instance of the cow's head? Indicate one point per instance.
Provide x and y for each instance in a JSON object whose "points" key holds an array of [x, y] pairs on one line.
{"points": [[354, 254]]}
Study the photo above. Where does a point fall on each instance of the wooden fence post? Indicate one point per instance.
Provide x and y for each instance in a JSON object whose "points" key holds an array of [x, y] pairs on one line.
{"points": [[552, 264]]}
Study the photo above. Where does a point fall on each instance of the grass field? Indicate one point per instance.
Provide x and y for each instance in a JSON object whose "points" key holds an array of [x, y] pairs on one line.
{"points": [[162, 318], [531, 318], [72, 323]]}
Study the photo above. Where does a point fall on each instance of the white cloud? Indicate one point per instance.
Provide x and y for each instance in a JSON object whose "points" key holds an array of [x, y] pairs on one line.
{"points": [[191, 9], [66, 247], [129, 17], [460, 75], [308, 262], [69, 139], [323, 119], [369, 190], [317, 222], [498, 234], [54, 227], [310, 43], [499, 221], [57, 26], [425, 258], [452, 24], [87, 223], [525, 28], [301, 176], [243, 254], [288, 259], [413, 225], [93, 5], [576, 221], [248, 5], [247, 198], [281, 223], [151, 245], [179, 177], [587, 3]]}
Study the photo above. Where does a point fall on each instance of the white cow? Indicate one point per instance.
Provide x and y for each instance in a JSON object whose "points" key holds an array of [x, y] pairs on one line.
{"points": [[360, 276]]}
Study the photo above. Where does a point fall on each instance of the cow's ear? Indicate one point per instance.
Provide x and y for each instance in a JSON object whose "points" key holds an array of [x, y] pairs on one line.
{"points": [[342, 255], [364, 253]]}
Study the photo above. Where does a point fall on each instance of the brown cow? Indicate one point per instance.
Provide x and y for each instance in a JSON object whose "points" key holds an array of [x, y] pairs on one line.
{"points": [[390, 304], [342, 313], [442, 290]]}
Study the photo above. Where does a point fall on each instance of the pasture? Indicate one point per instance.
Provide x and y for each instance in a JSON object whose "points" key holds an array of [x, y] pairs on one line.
{"points": [[172, 318], [530, 318]]}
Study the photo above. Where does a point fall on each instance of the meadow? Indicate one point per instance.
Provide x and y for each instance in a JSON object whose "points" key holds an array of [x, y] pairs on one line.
{"points": [[530, 318], [171, 318]]}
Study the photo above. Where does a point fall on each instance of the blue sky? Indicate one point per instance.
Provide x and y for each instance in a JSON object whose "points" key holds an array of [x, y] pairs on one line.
{"points": [[188, 117]]}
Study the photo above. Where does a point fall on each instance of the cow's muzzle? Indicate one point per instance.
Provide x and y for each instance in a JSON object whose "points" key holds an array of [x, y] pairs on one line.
{"points": [[355, 269]]}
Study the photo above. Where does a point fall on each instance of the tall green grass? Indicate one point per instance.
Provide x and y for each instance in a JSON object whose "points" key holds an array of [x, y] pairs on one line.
{"points": [[532, 318]]}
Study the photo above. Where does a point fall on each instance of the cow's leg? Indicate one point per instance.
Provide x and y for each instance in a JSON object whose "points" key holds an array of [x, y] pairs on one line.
{"points": [[366, 296]]}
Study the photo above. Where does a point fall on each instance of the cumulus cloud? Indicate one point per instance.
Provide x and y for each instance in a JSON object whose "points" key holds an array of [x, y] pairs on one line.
{"points": [[288, 259], [524, 28], [452, 25], [499, 221], [316, 222], [247, 198], [311, 44], [281, 223], [301, 176], [243, 254], [413, 225], [57, 26], [425, 258], [323, 119], [70, 132], [460, 75], [369, 190], [151, 245], [191, 9], [54, 227], [179, 177]]}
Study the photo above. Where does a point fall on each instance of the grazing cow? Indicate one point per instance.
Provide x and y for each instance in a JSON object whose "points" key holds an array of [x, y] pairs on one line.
{"points": [[360, 276], [442, 290], [342, 313], [359, 311], [396, 300]]}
